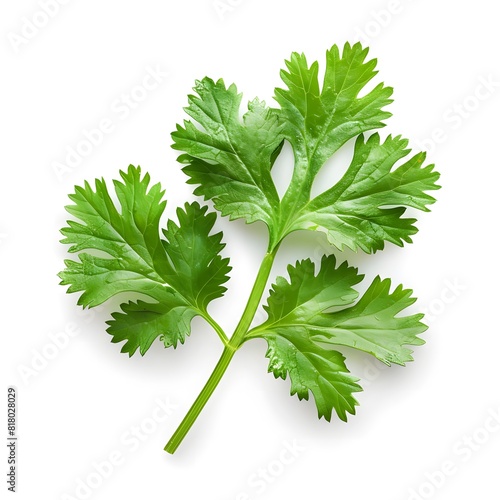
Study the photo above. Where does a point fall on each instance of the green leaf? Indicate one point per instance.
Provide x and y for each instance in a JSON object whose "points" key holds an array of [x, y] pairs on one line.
{"points": [[196, 267], [230, 158], [365, 208], [100, 279], [374, 325], [307, 294], [182, 274], [140, 323], [318, 121], [312, 368], [323, 311], [130, 237], [311, 311]]}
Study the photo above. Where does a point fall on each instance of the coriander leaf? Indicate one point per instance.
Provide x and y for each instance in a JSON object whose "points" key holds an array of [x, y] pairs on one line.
{"points": [[196, 268], [131, 237], [307, 294], [100, 279], [318, 121], [140, 323], [230, 159], [372, 325], [364, 209], [183, 273], [312, 368]]}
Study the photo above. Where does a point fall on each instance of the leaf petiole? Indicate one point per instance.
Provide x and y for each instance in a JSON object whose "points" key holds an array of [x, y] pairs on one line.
{"points": [[218, 329]]}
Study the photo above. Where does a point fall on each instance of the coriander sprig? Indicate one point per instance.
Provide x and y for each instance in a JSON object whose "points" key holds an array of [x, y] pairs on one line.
{"points": [[180, 270]]}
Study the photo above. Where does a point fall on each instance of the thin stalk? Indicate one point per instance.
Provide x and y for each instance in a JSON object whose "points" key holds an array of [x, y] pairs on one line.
{"points": [[254, 299], [228, 353], [220, 332], [200, 401]]}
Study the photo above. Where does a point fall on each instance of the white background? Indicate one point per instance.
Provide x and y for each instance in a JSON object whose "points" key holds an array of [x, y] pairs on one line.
{"points": [[80, 406]]}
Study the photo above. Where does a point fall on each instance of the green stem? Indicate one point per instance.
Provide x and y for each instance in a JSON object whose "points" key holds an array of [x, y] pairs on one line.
{"points": [[220, 332], [228, 353], [254, 299], [200, 402]]}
